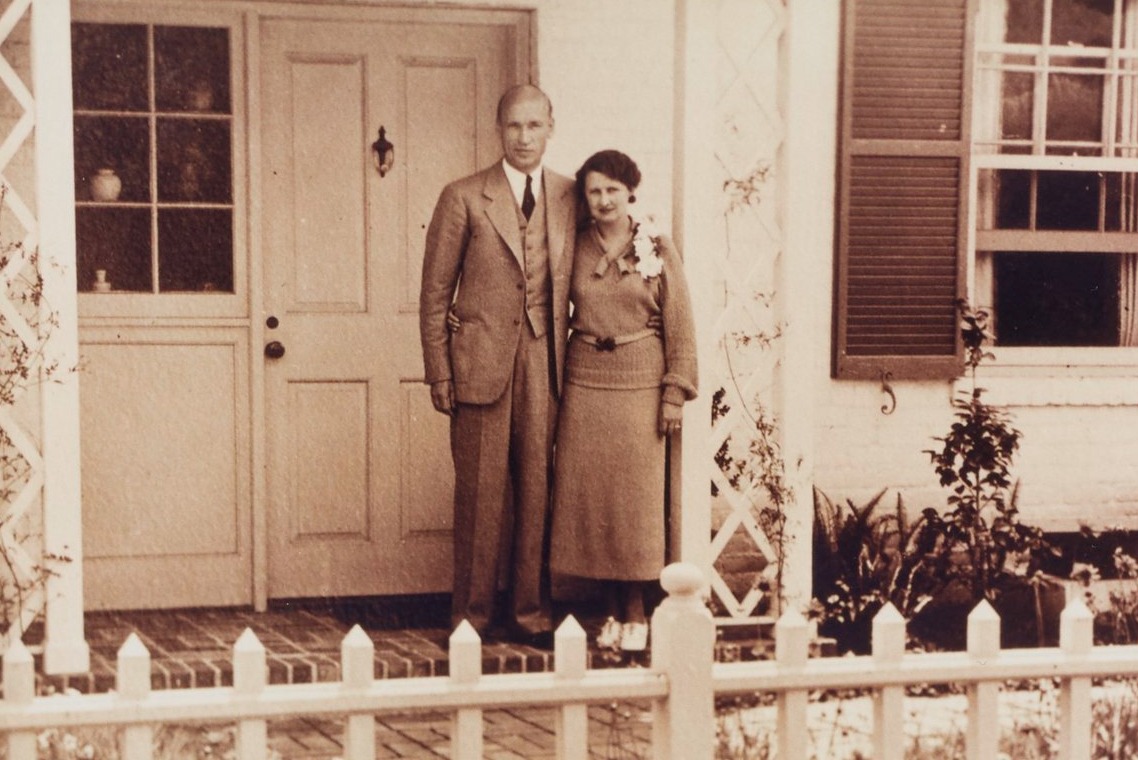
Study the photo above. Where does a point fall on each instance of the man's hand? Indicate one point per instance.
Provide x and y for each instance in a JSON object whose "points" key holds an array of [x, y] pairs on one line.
{"points": [[442, 396], [453, 322], [671, 417]]}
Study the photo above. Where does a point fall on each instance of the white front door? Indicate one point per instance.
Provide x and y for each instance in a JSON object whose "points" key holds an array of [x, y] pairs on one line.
{"points": [[359, 476]]}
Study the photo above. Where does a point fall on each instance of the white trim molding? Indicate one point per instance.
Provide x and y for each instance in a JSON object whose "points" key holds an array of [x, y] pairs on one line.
{"points": [[695, 211], [65, 647], [808, 96]]}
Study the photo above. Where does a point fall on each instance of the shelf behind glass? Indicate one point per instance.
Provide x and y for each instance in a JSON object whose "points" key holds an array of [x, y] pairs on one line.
{"points": [[117, 241]]}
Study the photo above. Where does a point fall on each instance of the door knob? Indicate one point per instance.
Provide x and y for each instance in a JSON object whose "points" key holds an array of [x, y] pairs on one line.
{"points": [[274, 349]]}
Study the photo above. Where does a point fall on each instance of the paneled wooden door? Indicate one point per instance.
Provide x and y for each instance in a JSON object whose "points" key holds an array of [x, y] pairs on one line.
{"points": [[359, 476]]}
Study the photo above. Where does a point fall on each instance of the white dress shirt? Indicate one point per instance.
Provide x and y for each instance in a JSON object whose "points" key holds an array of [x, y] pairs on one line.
{"points": [[517, 180]]}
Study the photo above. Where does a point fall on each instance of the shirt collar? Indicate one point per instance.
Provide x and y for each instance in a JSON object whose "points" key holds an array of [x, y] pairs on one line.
{"points": [[517, 180]]}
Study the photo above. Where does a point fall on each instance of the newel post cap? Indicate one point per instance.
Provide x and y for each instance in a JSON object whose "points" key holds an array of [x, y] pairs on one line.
{"points": [[682, 579]]}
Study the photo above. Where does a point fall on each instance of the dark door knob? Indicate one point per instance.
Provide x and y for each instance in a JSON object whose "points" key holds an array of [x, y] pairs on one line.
{"points": [[274, 349]]}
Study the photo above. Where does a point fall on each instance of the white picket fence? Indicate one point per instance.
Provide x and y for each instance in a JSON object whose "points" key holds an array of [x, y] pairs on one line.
{"points": [[681, 683]]}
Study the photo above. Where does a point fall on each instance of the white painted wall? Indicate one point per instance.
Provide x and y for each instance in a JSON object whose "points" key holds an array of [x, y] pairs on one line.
{"points": [[608, 68], [1079, 451], [1078, 463]]}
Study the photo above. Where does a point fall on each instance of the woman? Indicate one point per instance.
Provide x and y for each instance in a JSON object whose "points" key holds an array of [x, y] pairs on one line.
{"points": [[624, 391]]}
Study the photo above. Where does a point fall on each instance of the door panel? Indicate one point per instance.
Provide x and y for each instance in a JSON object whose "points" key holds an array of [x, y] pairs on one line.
{"points": [[359, 481], [425, 497], [165, 451], [440, 120]]}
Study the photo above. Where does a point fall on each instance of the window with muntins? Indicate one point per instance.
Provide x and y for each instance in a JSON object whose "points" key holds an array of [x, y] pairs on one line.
{"points": [[153, 158], [1055, 147]]}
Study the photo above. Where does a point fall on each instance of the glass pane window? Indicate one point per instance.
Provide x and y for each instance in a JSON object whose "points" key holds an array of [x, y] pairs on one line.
{"points": [[1057, 299], [1059, 200], [1081, 22], [1057, 77], [153, 158], [1055, 140]]}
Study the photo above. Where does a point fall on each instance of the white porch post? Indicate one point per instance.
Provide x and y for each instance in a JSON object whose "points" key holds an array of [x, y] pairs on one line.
{"points": [[697, 209], [65, 648], [806, 194]]}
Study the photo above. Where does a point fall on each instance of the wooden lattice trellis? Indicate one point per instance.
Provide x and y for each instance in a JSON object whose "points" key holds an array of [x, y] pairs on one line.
{"points": [[745, 560], [23, 322]]}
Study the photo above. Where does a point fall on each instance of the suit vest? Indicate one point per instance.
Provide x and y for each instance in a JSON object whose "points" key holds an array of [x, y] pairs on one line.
{"points": [[539, 283]]}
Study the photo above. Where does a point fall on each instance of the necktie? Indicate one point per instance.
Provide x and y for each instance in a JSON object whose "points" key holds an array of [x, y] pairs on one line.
{"points": [[528, 201]]}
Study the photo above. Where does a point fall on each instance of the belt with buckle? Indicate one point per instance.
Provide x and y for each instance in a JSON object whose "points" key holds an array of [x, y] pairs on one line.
{"points": [[610, 342]]}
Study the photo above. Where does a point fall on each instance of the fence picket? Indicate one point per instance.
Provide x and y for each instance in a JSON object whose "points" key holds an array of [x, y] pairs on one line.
{"points": [[570, 649], [1076, 639], [889, 701], [791, 652], [682, 684], [983, 736], [683, 649], [357, 671], [20, 691], [465, 671], [132, 683], [249, 677]]}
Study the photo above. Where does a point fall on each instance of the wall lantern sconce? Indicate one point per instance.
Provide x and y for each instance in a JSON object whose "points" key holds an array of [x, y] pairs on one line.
{"points": [[383, 153]]}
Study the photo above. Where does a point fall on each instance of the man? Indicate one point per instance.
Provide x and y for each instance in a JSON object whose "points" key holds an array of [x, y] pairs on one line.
{"points": [[500, 248]]}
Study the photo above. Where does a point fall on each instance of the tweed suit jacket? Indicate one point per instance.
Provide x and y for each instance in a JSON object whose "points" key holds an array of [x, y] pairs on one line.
{"points": [[475, 259]]}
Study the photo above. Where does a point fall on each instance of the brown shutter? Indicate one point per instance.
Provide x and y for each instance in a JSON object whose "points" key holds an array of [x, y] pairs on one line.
{"points": [[902, 214]]}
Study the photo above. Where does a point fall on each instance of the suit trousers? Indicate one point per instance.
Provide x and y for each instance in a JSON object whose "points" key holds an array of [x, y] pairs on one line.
{"points": [[503, 462]]}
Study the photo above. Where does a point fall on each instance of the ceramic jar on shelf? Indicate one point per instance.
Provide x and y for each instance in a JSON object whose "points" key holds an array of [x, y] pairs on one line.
{"points": [[105, 185]]}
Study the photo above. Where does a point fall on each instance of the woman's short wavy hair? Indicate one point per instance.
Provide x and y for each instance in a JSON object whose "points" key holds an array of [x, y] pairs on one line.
{"points": [[614, 165]]}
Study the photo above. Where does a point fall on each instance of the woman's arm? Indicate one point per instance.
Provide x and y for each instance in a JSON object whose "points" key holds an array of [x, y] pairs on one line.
{"points": [[681, 376]]}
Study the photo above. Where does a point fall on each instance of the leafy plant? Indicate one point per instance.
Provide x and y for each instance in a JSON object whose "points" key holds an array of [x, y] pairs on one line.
{"points": [[935, 568], [859, 565], [1116, 622], [24, 333], [974, 462], [750, 458]]}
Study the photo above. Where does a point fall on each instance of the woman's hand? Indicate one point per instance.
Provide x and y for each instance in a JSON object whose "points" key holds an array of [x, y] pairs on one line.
{"points": [[671, 417], [453, 322]]}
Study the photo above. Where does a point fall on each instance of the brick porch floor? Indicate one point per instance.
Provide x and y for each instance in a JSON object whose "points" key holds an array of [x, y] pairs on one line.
{"points": [[193, 648]]}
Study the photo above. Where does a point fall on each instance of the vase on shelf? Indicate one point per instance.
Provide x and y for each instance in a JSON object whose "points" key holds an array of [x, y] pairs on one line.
{"points": [[105, 185], [101, 285]]}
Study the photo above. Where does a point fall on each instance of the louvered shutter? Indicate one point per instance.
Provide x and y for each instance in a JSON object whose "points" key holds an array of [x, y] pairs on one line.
{"points": [[902, 215]]}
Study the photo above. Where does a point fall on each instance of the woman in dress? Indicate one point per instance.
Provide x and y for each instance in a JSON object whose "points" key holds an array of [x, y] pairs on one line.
{"points": [[624, 391]]}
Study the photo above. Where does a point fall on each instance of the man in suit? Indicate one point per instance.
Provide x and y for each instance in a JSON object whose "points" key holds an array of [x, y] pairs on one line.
{"points": [[500, 249]]}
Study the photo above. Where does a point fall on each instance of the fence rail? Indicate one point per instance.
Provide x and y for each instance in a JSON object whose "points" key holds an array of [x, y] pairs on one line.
{"points": [[681, 683]]}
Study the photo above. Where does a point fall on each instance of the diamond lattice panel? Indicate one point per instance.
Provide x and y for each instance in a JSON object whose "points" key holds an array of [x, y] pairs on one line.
{"points": [[21, 319], [744, 545]]}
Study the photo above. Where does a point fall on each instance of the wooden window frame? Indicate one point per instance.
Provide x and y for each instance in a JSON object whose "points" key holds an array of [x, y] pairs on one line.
{"points": [[192, 307]]}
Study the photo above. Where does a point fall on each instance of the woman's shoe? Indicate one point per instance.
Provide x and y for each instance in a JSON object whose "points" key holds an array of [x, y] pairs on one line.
{"points": [[610, 635], [634, 637]]}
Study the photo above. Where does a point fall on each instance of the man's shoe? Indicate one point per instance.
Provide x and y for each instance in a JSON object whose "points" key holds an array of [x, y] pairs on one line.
{"points": [[609, 637], [634, 637]]}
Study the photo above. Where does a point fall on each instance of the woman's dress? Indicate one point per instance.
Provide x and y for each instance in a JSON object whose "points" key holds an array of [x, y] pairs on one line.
{"points": [[608, 503]]}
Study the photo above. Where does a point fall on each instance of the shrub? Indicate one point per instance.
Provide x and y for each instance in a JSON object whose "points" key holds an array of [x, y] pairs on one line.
{"points": [[935, 568]]}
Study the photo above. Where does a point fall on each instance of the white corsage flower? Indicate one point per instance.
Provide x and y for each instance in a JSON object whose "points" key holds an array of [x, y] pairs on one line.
{"points": [[646, 247]]}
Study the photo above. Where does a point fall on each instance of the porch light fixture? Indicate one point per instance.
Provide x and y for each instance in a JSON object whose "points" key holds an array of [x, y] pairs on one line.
{"points": [[383, 153]]}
